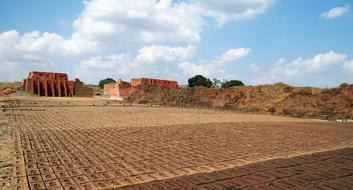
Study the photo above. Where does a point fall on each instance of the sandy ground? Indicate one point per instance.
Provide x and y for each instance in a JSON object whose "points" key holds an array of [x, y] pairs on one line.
{"points": [[92, 143]]}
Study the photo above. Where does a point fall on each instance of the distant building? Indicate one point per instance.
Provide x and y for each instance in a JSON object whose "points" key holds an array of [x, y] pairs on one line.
{"points": [[54, 85], [122, 89]]}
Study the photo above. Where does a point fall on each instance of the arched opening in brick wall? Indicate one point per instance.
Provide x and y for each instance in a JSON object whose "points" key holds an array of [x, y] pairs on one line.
{"points": [[50, 89], [56, 90], [62, 90], [35, 88], [42, 90]]}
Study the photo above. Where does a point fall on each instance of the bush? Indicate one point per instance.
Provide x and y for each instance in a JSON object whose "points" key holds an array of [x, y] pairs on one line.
{"points": [[200, 80], [232, 83], [105, 81]]}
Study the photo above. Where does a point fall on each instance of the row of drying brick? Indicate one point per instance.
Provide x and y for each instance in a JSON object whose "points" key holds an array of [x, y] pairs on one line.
{"points": [[326, 170], [54, 152]]}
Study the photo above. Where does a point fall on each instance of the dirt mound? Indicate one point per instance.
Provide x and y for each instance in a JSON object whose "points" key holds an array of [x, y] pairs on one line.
{"points": [[7, 91], [7, 88], [12, 85], [279, 99]]}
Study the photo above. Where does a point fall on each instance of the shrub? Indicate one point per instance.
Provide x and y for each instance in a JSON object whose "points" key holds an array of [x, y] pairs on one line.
{"points": [[200, 80], [232, 83]]}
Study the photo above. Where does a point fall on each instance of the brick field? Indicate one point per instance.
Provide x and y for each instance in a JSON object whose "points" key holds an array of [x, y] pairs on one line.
{"points": [[95, 144], [324, 170]]}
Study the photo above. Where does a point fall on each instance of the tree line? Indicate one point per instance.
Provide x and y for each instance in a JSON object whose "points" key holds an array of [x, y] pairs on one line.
{"points": [[200, 80], [197, 80]]}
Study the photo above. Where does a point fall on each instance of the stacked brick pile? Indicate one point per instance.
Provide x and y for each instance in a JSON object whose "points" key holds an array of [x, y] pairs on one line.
{"points": [[48, 84]]}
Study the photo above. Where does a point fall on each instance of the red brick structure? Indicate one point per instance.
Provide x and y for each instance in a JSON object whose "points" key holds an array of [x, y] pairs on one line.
{"points": [[53, 84], [153, 82], [122, 89], [119, 89]]}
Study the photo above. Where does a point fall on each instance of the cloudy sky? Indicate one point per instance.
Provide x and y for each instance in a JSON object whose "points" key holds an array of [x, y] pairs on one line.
{"points": [[302, 43]]}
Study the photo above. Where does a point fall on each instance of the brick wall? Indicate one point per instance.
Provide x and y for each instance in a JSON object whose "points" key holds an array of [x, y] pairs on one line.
{"points": [[119, 89], [153, 82], [81, 90]]}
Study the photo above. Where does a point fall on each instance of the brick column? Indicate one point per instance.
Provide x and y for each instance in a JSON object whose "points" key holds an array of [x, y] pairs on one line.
{"points": [[38, 87], [31, 86], [26, 85], [59, 88], [65, 88], [52, 87], [46, 87], [23, 86]]}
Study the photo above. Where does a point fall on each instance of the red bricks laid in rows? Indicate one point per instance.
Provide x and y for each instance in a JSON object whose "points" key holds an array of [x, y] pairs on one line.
{"points": [[333, 172]]}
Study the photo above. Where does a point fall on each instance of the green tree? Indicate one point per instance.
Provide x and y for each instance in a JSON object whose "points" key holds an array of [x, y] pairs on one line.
{"points": [[232, 83], [200, 80], [105, 81]]}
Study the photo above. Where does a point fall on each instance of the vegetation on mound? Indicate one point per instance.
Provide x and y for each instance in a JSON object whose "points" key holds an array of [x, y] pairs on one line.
{"points": [[105, 81], [200, 80], [232, 83]]}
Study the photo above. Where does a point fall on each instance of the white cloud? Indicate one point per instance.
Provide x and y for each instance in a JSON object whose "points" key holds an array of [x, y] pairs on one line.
{"points": [[348, 66], [301, 66], [28, 52], [21, 53], [164, 54], [234, 54], [254, 68], [41, 44], [117, 22], [106, 27], [163, 61], [121, 22], [103, 67], [191, 69], [213, 68], [304, 69], [335, 12], [224, 11], [151, 60], [106, 64]]}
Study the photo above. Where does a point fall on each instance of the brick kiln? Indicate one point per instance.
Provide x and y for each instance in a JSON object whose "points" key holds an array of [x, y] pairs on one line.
{"points": [[122, 89], [53, 84]]}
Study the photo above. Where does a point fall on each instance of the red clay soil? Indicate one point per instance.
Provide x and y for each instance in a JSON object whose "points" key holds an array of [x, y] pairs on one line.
{"points": [[279, 99]]}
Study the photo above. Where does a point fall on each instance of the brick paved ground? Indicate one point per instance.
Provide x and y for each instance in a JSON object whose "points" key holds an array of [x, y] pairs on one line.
{"points": [[325, 170], [58, 146]]}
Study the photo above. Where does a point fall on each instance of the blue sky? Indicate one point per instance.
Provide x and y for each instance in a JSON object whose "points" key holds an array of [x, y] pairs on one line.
{"points": [[302, 43]]}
